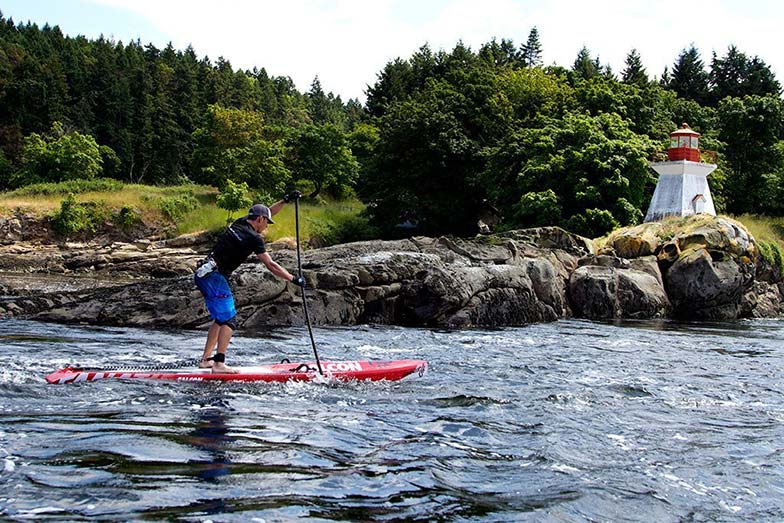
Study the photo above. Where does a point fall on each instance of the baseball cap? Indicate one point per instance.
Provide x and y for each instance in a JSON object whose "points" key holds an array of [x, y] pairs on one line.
{"points": [[260, 210]]}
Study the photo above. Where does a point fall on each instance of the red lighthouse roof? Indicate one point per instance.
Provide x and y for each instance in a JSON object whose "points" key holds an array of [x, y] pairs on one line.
{"points": [[684, 145]]}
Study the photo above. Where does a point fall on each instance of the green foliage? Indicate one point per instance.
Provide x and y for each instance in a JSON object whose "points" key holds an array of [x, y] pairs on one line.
{"points": [[60, 156], [751, 129], [111, 162], [539, 208], [6, 172], [586, 67], [75, 217], [175, 207], [233, 197], [773, 254], [69, 187], [127, 218], [689, 78], [141, 101], [593, 224], [589, 162], [531, 50], [444, 135], [321, 154], [634, 72], [736, 75], [341, 228], [233, 144]]}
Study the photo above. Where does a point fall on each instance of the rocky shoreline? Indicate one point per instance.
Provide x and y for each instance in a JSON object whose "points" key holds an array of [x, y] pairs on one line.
{"points": [[710, 270]]}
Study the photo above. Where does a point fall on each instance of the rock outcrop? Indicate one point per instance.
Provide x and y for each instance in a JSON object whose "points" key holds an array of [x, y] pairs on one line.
{"points": [[707, 265], [696, 268], [420, 282]]}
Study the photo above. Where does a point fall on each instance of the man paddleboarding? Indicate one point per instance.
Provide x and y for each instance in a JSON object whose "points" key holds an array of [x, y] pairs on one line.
{"points": [[235, 244]]}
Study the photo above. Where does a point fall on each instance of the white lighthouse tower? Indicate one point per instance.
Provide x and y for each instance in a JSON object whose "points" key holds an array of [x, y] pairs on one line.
{"points": [[682, 188]]}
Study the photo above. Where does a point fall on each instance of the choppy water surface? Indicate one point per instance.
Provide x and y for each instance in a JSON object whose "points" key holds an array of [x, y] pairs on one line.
{"points": [[568, 421]]}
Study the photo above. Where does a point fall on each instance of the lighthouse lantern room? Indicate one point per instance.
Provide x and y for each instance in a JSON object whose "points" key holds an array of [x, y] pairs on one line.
{"points": [[682, 188]]}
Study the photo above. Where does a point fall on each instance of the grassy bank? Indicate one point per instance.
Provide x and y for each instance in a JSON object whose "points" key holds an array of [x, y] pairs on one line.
{"points": [[764, 228], [181, 209]]}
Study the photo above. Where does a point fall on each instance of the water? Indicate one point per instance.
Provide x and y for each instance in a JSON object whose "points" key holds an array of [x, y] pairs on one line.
{"points": [[569, 421]]}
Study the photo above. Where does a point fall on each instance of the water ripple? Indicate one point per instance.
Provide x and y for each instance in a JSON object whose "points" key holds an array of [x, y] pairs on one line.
{"points": [[571, 421]]}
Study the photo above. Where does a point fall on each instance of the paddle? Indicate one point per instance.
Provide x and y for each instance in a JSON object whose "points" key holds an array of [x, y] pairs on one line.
{"points": [[299, 273]]}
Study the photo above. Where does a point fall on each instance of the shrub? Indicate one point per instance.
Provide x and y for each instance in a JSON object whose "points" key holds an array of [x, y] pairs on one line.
{"points": [[342, 229], [175, 207], [593, 224], [539, 208], [773, 254], [127, 217], [74, 217], [60, 155], [233, 197]]}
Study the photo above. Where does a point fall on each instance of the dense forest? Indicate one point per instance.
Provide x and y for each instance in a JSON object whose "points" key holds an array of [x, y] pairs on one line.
{"points": [[445, 137]]}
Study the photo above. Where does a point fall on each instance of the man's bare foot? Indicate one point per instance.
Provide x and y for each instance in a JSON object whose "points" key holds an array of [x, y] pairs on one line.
{"points": [[205, 364], [222, 368]]}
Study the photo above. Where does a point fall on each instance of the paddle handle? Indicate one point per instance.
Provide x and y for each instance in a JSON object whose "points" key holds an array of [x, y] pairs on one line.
{"points": [[304, 301]]}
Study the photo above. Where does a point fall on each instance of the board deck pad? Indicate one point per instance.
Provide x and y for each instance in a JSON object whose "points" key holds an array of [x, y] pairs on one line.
{"points": [[393, 370]]}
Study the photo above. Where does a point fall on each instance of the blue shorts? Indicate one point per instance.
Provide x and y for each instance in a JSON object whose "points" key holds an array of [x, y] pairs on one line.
{"points": [[217, 296]]}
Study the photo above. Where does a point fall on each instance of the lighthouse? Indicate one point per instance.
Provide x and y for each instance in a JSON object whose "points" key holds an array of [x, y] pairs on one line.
{"points": [[682, 188]]}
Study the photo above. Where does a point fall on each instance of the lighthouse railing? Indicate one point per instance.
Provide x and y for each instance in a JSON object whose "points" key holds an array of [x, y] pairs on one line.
{"points": [[660, 155]]}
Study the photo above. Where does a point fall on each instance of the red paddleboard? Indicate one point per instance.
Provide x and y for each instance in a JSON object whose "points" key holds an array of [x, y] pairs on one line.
{"points": [[279, 372]]}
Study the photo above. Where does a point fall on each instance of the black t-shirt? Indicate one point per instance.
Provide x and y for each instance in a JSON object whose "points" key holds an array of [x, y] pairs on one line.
{"points": [[235, 244]]}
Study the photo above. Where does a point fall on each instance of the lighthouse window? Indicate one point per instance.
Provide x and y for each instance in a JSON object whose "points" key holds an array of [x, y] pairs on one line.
{"points": [[673, 141], [694, 142], [683, 141]]}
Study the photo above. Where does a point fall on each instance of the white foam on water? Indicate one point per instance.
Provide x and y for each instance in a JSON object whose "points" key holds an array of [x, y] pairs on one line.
{"points": [[9, 466], [42, 510], [565, 469]]}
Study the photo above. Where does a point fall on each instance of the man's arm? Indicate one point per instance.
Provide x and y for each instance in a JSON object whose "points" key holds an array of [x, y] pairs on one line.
{"points": [[277, 206], [275, 209], [273, 267]]}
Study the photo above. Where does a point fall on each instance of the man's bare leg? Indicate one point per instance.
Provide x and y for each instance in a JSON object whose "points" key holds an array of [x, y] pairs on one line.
{"points": [[224, 336], [209, 346]]}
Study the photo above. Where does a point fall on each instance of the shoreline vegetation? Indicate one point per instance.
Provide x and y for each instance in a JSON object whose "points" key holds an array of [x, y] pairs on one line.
{"points": [[136, 211], [116, 148], [92, 208]]}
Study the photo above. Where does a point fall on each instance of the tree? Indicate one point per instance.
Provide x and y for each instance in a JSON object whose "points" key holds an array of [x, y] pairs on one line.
{"points": [[531, 50], [634, 73], [362, 141], [584, 66], [233, 197], [430, 151], [689, 79], [232, 146], [737, 75], [59, 156], [394, 83], [751, 127], [499, 55], [589, 162], [322, 156]]}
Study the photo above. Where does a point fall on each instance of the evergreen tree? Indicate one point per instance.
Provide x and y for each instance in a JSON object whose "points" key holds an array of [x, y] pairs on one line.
{"points": [[394, 83], [689, 79], [737, 75], [531, 50], [584, 66], [634, 73], [666, 77], [499, 55]]}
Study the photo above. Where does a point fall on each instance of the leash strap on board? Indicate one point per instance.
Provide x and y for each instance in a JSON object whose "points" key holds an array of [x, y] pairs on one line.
{"points": [[304, 301]]}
